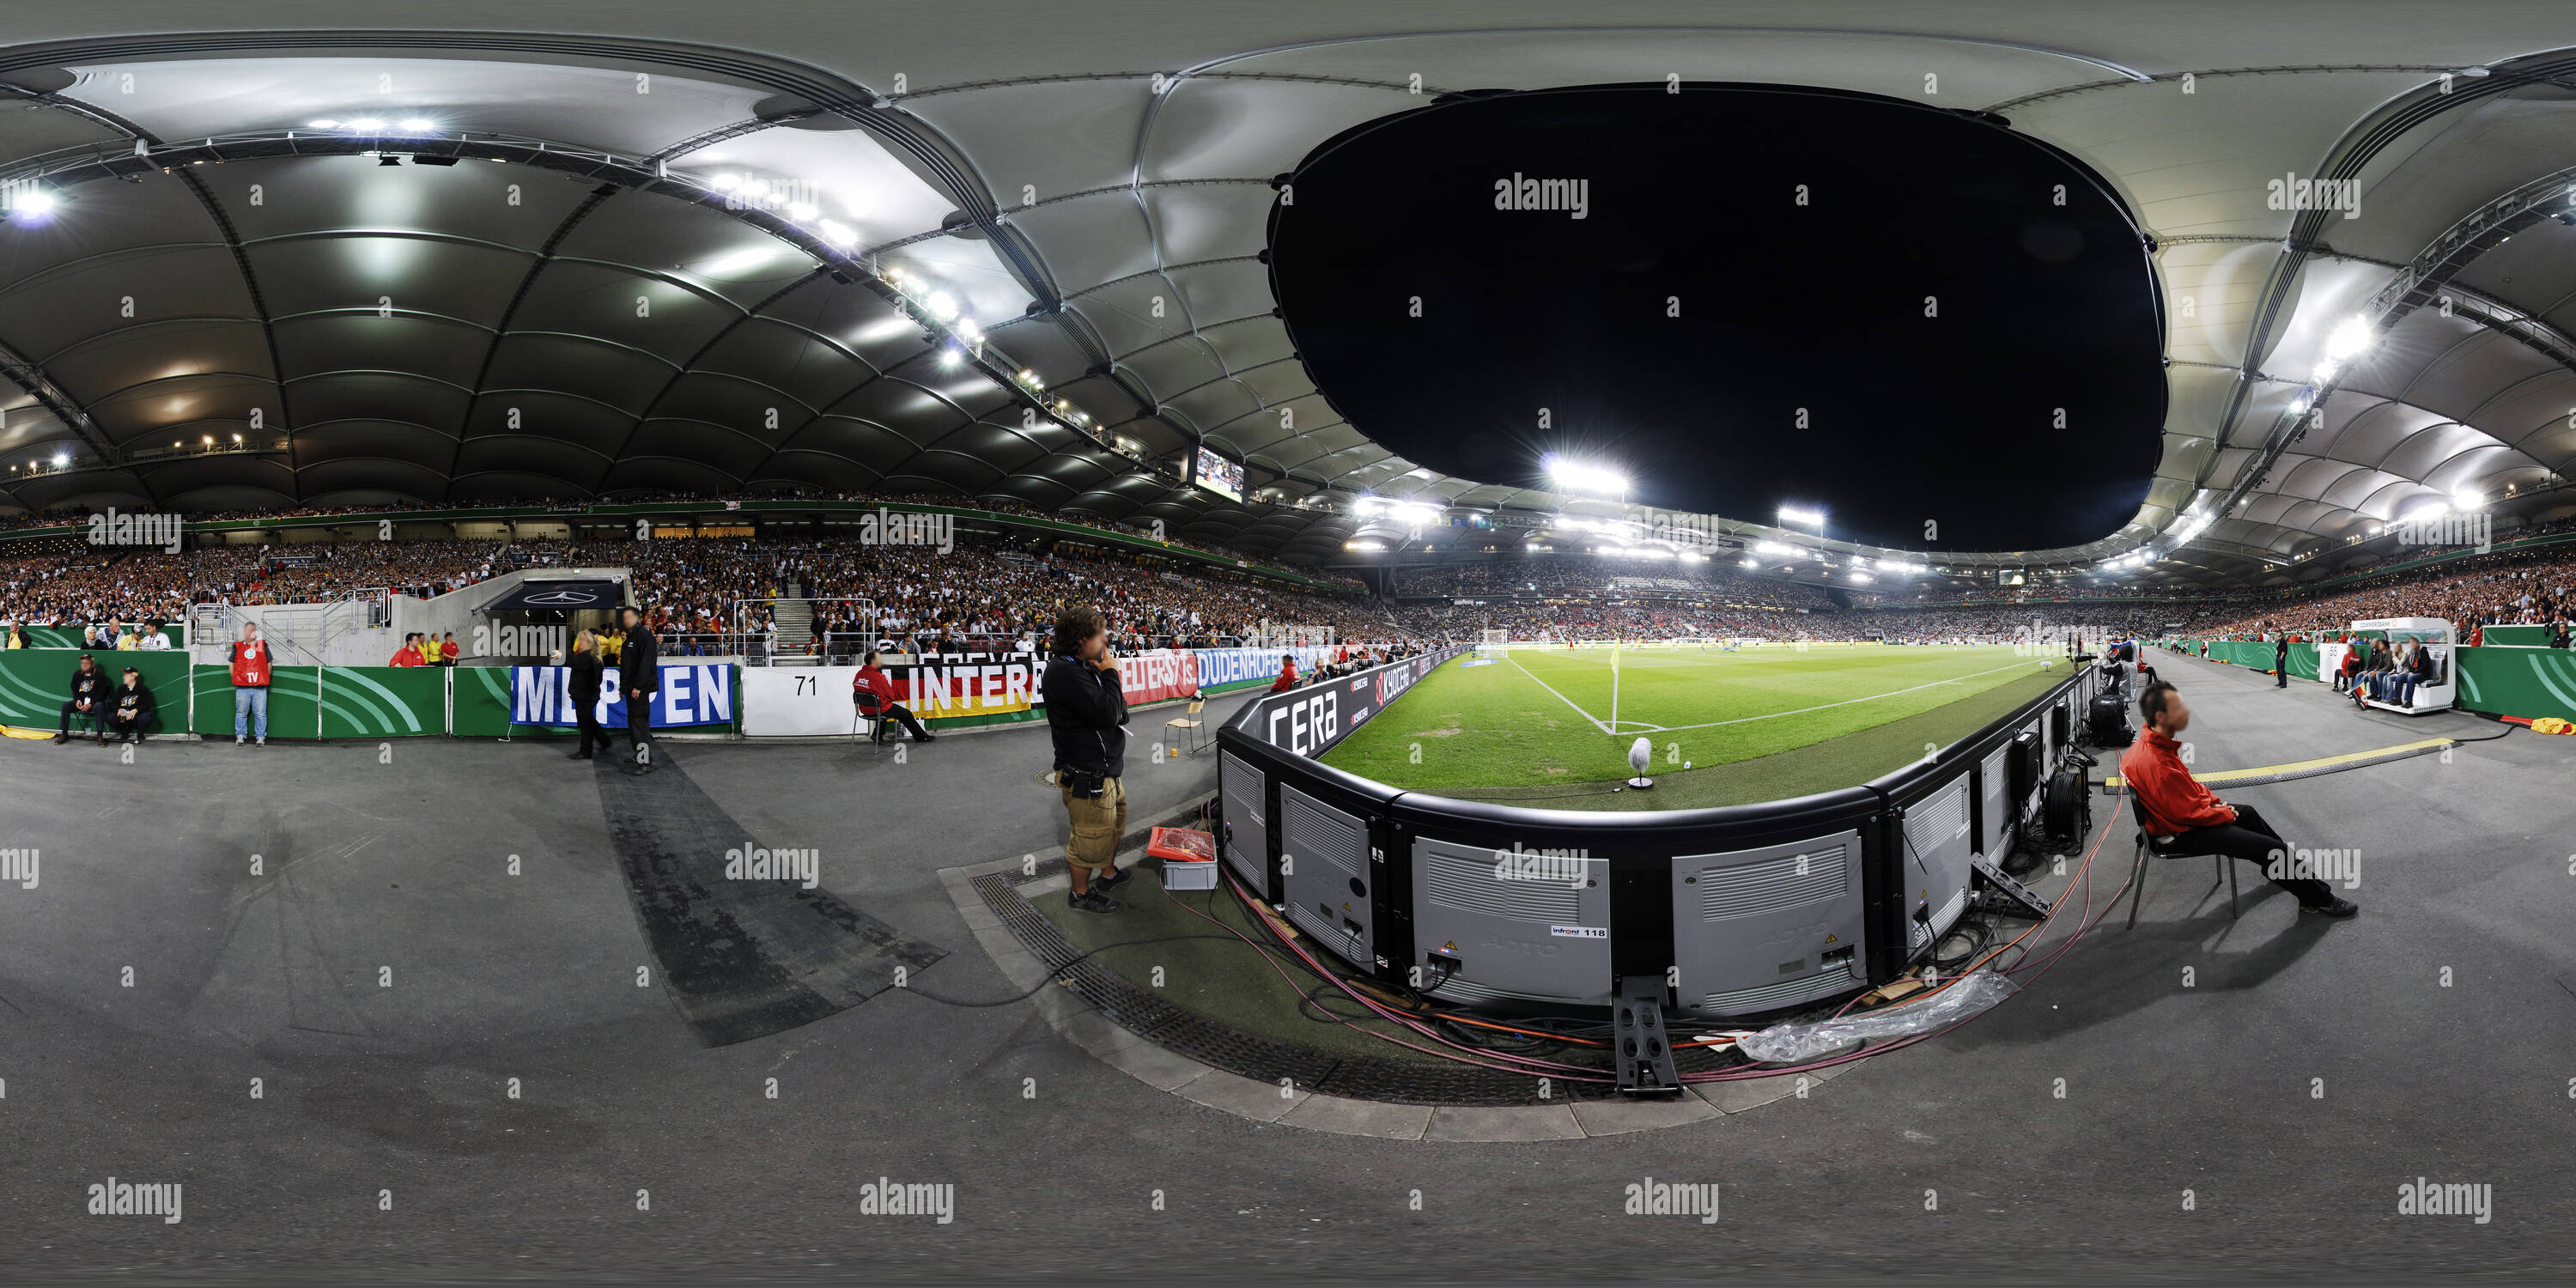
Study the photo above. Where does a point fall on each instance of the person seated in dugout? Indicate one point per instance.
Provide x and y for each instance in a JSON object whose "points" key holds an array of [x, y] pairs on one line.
{"points": [[89, 702], [2180, 815], [131, 714]]}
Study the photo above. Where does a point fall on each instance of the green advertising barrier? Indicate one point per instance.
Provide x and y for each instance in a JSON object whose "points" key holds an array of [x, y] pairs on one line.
{"points": [[70, 637], [2514, 636], [383, 701], [34, 685], [333, 701], [2303, 663], [292, 711], [2530, 683], [483, 706]]}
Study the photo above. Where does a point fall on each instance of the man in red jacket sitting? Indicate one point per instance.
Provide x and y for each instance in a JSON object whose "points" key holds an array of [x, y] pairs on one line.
{"points": [[2182, 816], [870, 680], [1287, 674]]}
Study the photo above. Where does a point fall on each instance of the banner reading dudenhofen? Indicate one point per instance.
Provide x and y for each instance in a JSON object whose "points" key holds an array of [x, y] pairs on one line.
{"points": [[690, 695]]}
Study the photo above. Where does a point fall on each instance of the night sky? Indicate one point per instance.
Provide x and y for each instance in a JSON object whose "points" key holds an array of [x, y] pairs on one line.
{"points": [[1693, 207]]}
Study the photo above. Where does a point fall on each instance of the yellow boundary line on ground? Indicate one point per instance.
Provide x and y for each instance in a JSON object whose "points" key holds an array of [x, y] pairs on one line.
{"points": [[2225, 776]]}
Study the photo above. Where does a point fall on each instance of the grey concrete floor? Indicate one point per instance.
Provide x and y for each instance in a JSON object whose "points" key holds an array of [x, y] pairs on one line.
{"points": [[2303, 1075]]}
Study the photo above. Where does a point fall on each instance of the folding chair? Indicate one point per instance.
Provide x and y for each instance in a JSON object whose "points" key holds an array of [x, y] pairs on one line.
{"points": [[1189, 725], [866, 706], [2138, 874]]}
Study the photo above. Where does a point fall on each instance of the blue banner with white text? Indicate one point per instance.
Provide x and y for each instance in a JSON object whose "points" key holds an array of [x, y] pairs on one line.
{"points": [[690, 695]]}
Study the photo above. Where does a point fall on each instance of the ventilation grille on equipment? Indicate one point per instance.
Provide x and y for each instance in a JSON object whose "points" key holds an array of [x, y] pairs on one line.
{"points": [[1932, 823], [1243, 787], [1788, 992], [1469, 885], [1752, 889], [1949, 913], [1309, 830]]}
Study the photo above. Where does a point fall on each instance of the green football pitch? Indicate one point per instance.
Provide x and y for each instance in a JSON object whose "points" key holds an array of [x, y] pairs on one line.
{"points": [[1771, 722]]}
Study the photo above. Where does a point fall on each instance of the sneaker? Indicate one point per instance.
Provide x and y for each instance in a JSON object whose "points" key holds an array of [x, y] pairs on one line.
{"points": [[2337, 910], [1092, 902], [1111, 880], [240, 741], [263, 742]]}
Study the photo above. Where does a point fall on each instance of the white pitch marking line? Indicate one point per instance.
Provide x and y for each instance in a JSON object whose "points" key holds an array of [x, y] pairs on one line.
{"points": [[1559, 696], [1804, 710]]}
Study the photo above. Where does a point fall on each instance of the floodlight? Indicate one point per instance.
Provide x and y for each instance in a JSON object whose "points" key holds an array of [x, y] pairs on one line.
{"points": [[1580, 476], [2350, 340]]}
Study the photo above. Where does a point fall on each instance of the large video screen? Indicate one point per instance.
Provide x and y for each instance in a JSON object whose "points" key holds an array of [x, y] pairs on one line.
{"points": [[1219, 475]]}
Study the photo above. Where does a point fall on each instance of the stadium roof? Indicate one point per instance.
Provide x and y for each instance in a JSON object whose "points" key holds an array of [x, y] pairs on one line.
{"points": [[1090, 187]]}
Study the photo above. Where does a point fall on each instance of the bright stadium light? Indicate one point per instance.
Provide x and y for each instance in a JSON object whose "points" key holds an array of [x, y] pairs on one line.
{"points": [[1801, 517], [1579, 476], [1749, 563], [1775, 548], [2469, 498], [2429, 510], [2350, 340], [1861, 577]]}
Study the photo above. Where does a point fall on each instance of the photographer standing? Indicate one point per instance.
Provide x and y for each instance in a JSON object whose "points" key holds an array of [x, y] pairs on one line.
{"points": [[1086, 710]]}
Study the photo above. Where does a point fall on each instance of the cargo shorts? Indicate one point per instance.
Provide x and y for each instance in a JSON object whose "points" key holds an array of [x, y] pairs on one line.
{"points": [[1097, 823]]}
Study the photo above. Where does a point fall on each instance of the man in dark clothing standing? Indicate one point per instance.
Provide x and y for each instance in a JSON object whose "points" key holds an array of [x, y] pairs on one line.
{"points": [[89, 702], [1086, 709], [132, 712], [640, 675], [2281, 661]]}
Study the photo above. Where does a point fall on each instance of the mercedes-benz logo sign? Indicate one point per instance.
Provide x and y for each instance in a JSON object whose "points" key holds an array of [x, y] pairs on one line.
{"points": [[574, 597]]}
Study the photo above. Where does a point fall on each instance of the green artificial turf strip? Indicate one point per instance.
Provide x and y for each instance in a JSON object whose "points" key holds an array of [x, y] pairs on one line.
{"points": [[1835, 716], [1224, 980]]}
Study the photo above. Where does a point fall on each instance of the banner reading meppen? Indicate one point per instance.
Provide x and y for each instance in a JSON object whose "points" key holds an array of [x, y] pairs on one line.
{"points": [[690, 695]]}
